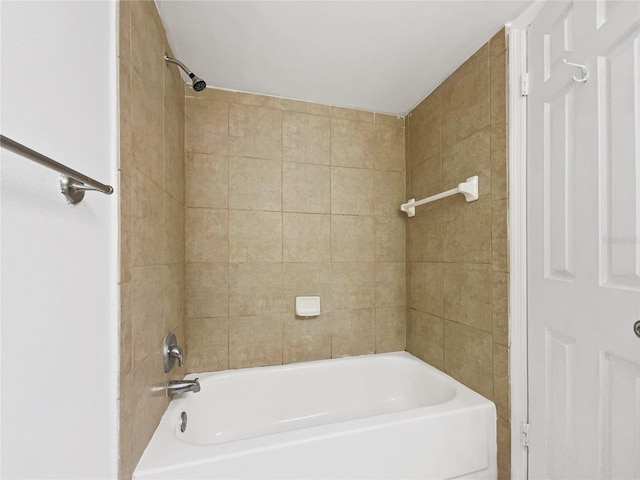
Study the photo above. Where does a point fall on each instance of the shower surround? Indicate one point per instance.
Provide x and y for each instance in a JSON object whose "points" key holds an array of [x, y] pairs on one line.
{"points": [[232, 204], [457, 252], [151, 188], [288, 198]]}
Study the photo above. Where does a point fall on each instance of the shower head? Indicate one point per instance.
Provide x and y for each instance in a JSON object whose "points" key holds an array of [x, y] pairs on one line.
{"points": [[198, 83]]}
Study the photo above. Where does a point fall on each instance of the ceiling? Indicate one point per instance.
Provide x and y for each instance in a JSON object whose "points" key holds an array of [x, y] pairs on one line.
{"points": [[378, 56]]}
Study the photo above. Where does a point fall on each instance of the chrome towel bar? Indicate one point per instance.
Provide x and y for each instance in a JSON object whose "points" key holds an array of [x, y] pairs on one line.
{"points": [[72, 185]]}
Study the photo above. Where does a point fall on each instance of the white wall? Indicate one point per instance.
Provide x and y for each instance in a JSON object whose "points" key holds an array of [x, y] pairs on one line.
{"points": [[58, 262]]}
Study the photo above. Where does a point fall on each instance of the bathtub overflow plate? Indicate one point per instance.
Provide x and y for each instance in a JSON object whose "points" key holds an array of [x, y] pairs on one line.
{"points": [[183, 421]]}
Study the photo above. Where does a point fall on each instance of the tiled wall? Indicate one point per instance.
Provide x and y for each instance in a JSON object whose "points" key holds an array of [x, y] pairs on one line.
{"points": [[151, 222], [289, 198], [457, 252]]}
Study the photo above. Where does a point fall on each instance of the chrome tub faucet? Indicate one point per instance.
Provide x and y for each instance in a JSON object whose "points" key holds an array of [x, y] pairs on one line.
{"points": [[174, 387]]}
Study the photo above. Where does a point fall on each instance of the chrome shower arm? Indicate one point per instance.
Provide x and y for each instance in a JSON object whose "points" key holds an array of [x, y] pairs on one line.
{"points": [[167, 58]]}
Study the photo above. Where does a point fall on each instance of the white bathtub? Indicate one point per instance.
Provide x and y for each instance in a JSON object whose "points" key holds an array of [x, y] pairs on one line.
{"points": [[377, 416]]}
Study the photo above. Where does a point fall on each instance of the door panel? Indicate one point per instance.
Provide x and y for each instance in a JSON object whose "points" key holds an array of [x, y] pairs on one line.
{"points": [[618, 73], [583, 183], [619, 413]]}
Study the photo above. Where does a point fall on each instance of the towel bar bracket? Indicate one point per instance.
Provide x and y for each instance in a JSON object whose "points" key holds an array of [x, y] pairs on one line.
{"points": [[72, 189]]}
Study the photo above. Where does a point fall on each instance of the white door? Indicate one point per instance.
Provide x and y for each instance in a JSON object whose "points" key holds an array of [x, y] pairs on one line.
{"points": [[583, 233]]}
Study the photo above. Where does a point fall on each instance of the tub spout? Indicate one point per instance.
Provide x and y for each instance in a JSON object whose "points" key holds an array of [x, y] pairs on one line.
{"points": [[175, 387]]}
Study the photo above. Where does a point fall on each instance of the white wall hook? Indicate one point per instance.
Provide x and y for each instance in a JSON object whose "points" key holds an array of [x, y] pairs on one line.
{"points": [[583, 68]]}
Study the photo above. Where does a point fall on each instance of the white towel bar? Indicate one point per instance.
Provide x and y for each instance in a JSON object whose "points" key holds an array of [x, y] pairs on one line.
{"points": [[469, 189]]}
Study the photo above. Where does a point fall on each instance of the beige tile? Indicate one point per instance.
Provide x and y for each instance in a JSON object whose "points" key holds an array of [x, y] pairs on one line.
{"points": [[390, 241], [500, 307], [173, 231], [206, 290], [352, 191], [126, 398], [207, 181], [173, 156], [469, 157], [257, 289], [146, 41], [396, 121], [501, 380], [352, 238], [255, 236], [147, 228], [207, 237], [206, 126], [389, 193], [504, 450], [499, 164], [466, 230], [423, 129], [452, 110], [145, 423], [391, 284], [498, 85], [173, 296], [306, 138], [474, 103], [255, 100], [352, 143], [124, 30], [407, 158], [306, 107], [467, 357], [351, 114], [498, 43], [424, 232], [465, 99], [306, 188], [389, 151], [209, 93], [499, 238], [126, 462], [467, 294], [353, 333], [125, 206], [426, 287], [125, 132], [426, 180], [149, 389], [308, 279], [306, 237], [147, 127], [425, 338], [391, 329], [255, 132], [353, 285], [255, 184], [255, 341], [126, 319], [305, 340], [147, 312], [207, 347]]}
